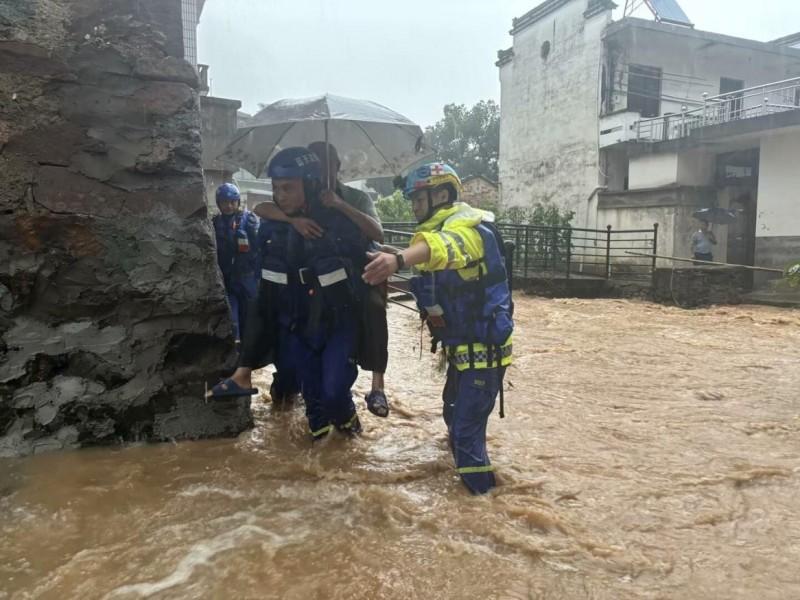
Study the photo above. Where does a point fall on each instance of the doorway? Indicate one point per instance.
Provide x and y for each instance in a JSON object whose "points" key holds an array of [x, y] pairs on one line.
{"points": [[737, 185], [733, 107]]}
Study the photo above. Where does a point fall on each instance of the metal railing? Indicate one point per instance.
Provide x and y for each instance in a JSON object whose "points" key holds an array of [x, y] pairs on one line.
{"points": [[758, 101], [542, 252]]}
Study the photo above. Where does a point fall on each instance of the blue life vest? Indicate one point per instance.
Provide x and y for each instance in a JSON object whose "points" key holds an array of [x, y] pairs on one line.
{"points": [[314, 283], [479, 311], [279, 245], [237, 246]]}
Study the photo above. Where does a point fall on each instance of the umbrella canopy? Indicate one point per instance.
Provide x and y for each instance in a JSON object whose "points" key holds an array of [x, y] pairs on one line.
{"points": [[720, 216], [372, 140]]}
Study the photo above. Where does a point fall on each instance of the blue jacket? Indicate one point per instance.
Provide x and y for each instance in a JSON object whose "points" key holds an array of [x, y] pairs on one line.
{"points": [[237, 247]]}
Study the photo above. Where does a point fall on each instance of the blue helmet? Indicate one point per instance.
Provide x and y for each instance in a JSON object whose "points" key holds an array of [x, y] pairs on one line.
{"points": [[228, 191], [295, 163]]}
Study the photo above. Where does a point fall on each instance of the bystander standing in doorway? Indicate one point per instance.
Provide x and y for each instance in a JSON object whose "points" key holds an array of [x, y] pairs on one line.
{"points": [[703, 241]]}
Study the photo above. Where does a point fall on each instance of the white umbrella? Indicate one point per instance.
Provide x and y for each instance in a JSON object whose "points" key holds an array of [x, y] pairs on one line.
{"points": [[372, 140]]}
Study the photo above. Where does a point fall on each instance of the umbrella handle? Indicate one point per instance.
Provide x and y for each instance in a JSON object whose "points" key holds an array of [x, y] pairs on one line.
{"points": [[327, 158]]}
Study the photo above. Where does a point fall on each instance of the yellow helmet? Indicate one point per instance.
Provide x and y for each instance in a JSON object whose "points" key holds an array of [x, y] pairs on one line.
{"points": [[431, 175]]}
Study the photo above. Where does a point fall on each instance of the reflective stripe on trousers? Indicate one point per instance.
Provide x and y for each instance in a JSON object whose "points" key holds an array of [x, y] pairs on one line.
{"points": [[469, 397]]}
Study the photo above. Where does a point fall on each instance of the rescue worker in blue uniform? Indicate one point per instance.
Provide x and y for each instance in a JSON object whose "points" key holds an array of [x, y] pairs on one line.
{"points": [[310, 295], [463, 294], [359, 208], [236, 234]]}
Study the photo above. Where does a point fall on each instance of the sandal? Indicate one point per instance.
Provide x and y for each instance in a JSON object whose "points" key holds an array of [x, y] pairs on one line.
{"points": [[377, 403], [228, 388]]}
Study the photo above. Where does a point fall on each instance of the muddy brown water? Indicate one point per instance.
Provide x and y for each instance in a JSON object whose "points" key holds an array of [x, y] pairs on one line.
{"points": [[648, 452]]}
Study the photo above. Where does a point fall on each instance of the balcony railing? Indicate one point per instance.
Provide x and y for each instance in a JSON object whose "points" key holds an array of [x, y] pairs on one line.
{"points": [[752, 102]]}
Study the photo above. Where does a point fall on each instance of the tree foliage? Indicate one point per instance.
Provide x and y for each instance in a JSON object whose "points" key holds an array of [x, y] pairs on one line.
{"points": [[468, 139], [394, 208], [542, 215]]}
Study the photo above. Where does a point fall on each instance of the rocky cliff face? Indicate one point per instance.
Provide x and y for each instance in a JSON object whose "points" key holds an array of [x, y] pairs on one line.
{"points": [[111, 309]]}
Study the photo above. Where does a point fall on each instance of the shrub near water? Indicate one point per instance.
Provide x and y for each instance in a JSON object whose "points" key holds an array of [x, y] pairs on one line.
{"points": [[792, 274]]}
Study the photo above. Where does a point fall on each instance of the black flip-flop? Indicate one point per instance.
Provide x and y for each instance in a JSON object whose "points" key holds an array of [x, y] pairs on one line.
{"points": [[229, 388], [377, 403]]}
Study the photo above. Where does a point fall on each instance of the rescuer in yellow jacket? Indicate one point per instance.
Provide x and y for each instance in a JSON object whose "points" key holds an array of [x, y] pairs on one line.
{"points": [[463, 294]]}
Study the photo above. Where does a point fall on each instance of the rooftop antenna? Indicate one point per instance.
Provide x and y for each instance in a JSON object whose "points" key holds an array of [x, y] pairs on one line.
{"points": [[664, 11]]}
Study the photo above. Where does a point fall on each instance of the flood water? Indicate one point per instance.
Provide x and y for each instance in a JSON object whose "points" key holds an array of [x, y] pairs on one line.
{"points": [[648, 452]]}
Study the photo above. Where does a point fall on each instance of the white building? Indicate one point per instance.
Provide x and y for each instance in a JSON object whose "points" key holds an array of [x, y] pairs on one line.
{"points": [[635, 122], [190, 17]]}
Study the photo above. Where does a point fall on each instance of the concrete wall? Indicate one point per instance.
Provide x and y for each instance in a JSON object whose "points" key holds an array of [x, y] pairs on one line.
{"points": [[671, 208], [779, 186], [691, 67], [549, 108], [778, 218], [618, 127], [688, 167], [696, 167], [218, 126], [653, 170], [777, 252]]}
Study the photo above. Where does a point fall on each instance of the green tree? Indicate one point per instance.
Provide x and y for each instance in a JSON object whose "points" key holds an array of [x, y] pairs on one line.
{"points": [[468, 139], [542, 215], [546, 247], [394, 208]]}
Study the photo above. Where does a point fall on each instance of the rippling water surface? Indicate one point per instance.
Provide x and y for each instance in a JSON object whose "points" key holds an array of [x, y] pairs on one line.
{"points": [[648, 452]]}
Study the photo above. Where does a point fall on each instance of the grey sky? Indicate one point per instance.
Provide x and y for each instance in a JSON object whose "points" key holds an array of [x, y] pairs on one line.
{"points": [[414, 56]]}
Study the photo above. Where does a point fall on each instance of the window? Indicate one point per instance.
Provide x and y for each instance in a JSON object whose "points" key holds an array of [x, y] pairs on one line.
{"points": [[644, 90], [189, 16], [734, 105]]}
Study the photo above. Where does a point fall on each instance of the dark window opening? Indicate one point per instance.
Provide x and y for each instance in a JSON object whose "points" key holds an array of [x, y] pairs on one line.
{"points": [[735, 168], [644, 90], [733, 106]]}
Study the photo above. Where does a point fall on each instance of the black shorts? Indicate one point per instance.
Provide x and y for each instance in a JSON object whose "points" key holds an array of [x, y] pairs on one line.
{"points": [[260, 333], [373, 346]]}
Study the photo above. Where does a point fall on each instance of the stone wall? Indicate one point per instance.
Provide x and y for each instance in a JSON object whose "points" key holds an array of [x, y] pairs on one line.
{"points": [[691, 287], [112, 312]]}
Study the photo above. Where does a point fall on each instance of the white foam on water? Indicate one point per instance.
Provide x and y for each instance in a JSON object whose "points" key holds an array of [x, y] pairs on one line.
{"points": [[200, 554], [207, 490]]}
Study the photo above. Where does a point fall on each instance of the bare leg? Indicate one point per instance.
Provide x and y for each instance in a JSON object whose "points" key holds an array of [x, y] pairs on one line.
{"points": [[243, 377], [377, 381]]}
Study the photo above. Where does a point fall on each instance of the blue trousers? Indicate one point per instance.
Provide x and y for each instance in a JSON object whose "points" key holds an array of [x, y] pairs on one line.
{"points": [[327, 371], [469, 398]]}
